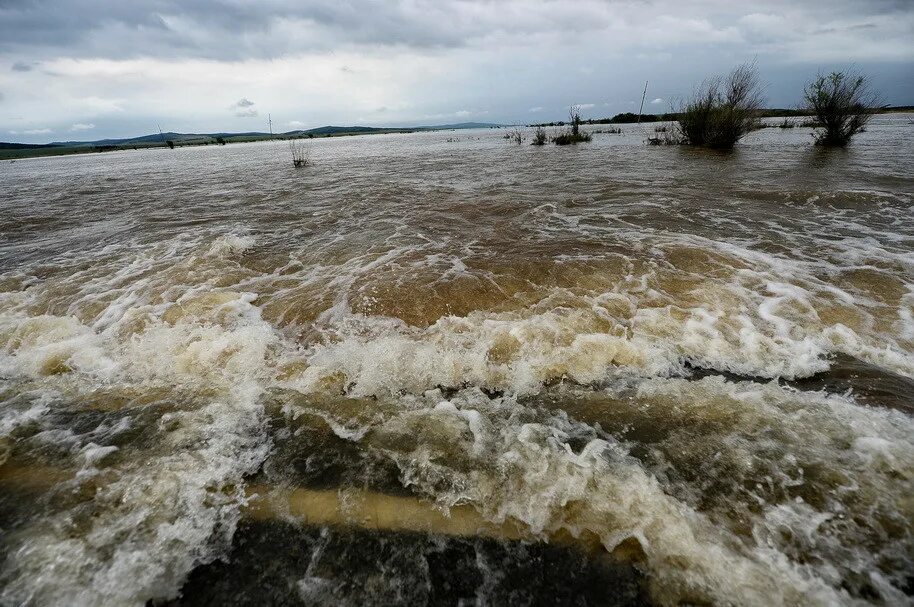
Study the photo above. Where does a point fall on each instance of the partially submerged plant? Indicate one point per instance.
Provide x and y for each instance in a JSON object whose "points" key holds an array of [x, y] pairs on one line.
{"points": [[299, 153], [787, 124], [574, 119], [575, 135], [539, 136], [515, 135], [842, 103], [665, 137], [722, 110]]}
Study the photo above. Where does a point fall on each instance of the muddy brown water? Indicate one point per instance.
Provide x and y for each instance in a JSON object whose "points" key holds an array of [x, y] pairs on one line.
{"points": [[425, 371]]}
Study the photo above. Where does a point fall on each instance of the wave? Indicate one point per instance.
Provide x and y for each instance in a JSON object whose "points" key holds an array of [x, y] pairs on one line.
{"points": [[563, 407]]}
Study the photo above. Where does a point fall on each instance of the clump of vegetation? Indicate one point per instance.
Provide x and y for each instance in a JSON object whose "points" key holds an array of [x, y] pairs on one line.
{"points": [[665, 137], [842, 104], [299, 153], [722, 110], [569, 138], [575, 135], [539, 136], [661, 129], [515, 135], [786, 124]]}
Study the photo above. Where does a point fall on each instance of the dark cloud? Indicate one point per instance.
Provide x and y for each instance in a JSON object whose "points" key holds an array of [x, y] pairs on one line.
{"points": [[114, 63], [232, 30], [222, 29]]}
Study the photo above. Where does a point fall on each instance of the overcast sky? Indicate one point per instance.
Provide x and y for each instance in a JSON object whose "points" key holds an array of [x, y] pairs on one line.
{"points": [[88, 69]]}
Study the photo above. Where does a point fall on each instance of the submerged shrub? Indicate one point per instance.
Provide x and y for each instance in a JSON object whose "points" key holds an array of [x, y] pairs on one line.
{"points": [[665, 137], [575, 135], [722, 110], [299, 153], [516, 135], [842, 104], [570, 138], [539, 136], [574, 119]]}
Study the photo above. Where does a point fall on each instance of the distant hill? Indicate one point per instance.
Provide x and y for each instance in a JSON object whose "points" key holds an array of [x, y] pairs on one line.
{"points": [[157, 139]]}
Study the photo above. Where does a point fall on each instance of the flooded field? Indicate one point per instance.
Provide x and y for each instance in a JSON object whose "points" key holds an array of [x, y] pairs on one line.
{"points": [[433, 371]]}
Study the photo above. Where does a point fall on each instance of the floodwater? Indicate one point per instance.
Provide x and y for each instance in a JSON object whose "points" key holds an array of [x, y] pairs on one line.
{"points": [[425, 371]]}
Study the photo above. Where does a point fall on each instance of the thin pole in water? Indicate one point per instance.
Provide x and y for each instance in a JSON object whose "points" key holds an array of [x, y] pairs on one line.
{"points": [[270, 120], [643, 95]]}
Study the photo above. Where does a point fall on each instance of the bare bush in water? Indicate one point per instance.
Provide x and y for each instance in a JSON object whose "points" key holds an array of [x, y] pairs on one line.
{"points": [[722, 110], [539, 136], [515, 135], [299, 153], [575, 135], [665, 137], [574, 119], [842, 104]]}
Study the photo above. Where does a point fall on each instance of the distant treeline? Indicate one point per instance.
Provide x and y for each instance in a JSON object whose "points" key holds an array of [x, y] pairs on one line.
{"points": [[630, 117]]}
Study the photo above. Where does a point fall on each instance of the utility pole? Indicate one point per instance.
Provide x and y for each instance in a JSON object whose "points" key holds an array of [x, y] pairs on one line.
{"points": [[643, 95], [270, 120]]}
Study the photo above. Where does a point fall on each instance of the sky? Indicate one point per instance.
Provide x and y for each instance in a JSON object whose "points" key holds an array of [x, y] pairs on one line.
{"points": [[90, 69]]}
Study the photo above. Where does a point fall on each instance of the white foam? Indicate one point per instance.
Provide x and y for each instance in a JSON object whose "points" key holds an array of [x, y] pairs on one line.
{"points": [[528, 472], [159, 322], [159, 515], [230, 245]]}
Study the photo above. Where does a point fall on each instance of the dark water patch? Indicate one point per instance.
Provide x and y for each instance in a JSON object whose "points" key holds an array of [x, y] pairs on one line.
{"points": [[308, 453], [281, 563]]}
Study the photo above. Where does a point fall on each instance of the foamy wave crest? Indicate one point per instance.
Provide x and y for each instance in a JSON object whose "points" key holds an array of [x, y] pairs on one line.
{"points": [[558, 476], [230, 245], [153, 515], [520, 352]]}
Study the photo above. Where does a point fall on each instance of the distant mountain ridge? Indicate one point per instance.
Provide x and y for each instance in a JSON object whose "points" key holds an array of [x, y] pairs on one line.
{"points": [[158, 138]]}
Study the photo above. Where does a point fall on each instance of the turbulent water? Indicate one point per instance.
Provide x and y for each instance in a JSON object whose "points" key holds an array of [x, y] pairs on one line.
{"points": [[443, 368]]}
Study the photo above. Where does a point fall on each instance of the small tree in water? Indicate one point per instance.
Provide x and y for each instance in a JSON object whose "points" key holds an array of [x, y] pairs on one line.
{"points": [[299, 153], [574, 118], [722, 110], [842, 103], [576, 135]]}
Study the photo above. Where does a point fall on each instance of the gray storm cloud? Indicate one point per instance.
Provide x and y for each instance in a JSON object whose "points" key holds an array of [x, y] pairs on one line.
{"points": [[121, 65], [222, 29]]}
